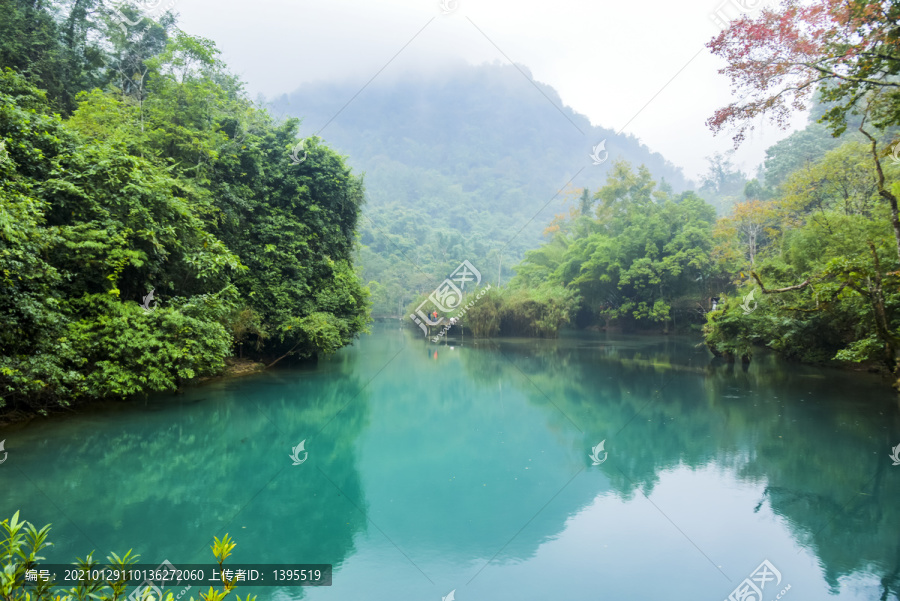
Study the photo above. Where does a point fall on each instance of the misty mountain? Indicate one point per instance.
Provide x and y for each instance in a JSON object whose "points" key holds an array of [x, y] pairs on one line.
{"points": [[459, 165]]}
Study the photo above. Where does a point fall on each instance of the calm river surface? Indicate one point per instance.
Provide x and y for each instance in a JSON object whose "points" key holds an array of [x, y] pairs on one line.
{"points": [[433, 469]]}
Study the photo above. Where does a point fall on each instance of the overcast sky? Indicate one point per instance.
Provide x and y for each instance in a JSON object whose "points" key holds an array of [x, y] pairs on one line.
{"points": [[607, 59]]}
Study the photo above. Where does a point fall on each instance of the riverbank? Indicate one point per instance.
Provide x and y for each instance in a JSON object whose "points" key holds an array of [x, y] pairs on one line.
{"points": [[234, 368]]}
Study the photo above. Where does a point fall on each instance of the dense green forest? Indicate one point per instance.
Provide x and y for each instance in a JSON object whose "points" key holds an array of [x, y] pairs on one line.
{"points": [[806, 263], [820, 239], [633, 255], [459, 165], [156, 225], [152, 221]]}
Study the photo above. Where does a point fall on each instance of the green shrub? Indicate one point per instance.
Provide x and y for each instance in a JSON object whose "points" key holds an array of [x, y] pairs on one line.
{"points": [[22, 542]]}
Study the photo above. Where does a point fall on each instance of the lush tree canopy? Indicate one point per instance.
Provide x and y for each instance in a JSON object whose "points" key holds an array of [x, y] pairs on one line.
{"points": [[459, 164], [824, 251], [634, 253], [167, 181]]}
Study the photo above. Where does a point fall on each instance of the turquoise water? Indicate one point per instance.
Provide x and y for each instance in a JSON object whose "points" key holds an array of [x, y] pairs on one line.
{"points": [[465, 467]]}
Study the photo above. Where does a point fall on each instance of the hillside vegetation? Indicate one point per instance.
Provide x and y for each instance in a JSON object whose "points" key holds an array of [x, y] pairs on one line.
{"points": [[459, 165], [152, 222], [807, 262]]}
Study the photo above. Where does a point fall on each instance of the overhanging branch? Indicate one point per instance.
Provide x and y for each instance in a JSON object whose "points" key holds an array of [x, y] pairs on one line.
{"points": [[800, 286]]}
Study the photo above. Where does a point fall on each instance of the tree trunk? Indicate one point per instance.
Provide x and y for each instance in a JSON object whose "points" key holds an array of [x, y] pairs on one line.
{"points": [[293, 348], [882, 191]]}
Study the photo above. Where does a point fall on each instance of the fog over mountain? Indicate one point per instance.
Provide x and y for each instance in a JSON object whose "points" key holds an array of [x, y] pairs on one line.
{"points": [[461, 164]]}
